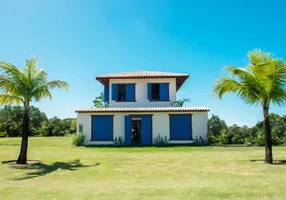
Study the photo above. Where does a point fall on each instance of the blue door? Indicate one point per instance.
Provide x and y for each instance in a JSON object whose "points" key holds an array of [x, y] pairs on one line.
{"points": [[128, 130], [146, 127]]}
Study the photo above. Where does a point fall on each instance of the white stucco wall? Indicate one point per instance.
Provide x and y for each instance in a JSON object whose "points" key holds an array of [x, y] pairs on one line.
{"points": [[160, 125], [141, 95]]}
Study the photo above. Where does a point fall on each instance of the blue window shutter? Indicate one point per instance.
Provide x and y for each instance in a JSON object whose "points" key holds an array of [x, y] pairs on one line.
{"points": [[106, 94], [114, 94], [102, 128], [130, 92], [181, 127], [164, 91], [149, 91], [146, 127], [128, 130]]}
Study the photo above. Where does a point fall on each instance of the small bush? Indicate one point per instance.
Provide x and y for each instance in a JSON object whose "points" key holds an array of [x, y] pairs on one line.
{"points": [[160, 141], [3, 134], [200, 141], [223, 138], [118, 141], [259, 140], [43, 132], [78, 140]]}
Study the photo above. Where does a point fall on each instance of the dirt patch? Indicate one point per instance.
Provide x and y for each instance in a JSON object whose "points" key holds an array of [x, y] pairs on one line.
{"points": [[13, 162], [275, 162]]}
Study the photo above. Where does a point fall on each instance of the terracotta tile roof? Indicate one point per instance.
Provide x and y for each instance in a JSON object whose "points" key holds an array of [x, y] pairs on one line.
{"points": [[180, 78], [144, 109], [144, 74]]}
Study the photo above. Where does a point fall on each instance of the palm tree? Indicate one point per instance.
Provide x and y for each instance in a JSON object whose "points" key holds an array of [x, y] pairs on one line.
{"points": [[21, 87], [180, 102], [263, 82]]}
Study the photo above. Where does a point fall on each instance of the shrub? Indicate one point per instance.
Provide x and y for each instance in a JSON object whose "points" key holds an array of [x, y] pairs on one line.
{"points": [[160, 141], [118, 141], [222, 139], [3, 134], [43, 131], [200, 141], [78, 140], [259, 140]]}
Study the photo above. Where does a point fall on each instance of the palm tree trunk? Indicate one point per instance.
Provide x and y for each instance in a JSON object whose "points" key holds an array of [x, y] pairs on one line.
{"points": [[268, 139], [22, 159]]}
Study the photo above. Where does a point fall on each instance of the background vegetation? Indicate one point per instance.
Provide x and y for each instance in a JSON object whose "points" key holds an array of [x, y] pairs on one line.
{"points": [[11, 122], [220, 133]]}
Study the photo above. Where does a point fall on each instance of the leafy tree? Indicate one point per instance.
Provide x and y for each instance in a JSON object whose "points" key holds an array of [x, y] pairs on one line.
{"points": [[22, 86], [57, 127], [262, 82], [223, 137], [11, 120], [73, 126], [215, 126], [98, 102], [36, 117], [180, 102], [278, 130], [238, 135], [69, 126]]}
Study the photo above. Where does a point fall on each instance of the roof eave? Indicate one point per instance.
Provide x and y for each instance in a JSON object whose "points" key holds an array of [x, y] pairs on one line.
{"points": [[140, 110], [105, 80]]}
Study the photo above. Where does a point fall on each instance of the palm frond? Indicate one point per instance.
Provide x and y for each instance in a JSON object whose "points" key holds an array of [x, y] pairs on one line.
{"points": [[259, 56], [13, 72], [9, 85], [227, 85], [31, 83], [180, 102], [10, 99], [43, 90], [29, 71], [57, 84], [264, 81], [41, 93]]}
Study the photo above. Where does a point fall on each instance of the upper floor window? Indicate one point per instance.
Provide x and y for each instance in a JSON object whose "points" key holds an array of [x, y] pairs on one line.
{"points": [[123, 92], [155, 91], [158, 91]]}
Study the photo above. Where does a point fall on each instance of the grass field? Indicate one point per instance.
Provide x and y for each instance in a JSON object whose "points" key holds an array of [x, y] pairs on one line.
{"points": [[67, 172]]}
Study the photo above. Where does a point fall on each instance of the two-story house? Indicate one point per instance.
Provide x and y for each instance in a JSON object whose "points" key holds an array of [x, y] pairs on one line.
{"points": [[140, 109]]}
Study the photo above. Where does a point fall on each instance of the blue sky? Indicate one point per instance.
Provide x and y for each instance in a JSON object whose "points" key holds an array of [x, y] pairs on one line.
{"points": [[77, 40]]}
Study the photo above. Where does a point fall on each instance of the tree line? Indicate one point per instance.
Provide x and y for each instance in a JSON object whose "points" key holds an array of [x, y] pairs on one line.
{"points": [[11, 123], [220, 133]]}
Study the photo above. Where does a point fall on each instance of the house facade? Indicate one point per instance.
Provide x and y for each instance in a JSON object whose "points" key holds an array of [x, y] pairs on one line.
{"points": [[140, 110]]}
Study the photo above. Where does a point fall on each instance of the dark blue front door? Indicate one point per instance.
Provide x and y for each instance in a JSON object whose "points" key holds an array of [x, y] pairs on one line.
{"points": [[128, 130], [146, 125], [145, 130]]}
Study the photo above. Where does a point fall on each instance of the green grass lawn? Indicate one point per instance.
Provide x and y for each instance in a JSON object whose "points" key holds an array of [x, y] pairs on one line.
{"points": [[67, 172]]}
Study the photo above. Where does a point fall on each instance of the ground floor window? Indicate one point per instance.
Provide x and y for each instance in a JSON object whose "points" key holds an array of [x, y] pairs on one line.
{"points": [[180, 126], [102, 128]]}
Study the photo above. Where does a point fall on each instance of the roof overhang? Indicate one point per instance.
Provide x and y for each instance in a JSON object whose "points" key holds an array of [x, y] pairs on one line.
{"points": [[180, 78], [143, 109]]}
